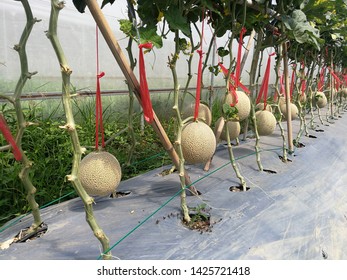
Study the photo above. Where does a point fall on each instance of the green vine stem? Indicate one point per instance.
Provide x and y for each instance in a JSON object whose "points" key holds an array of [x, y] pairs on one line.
{"points": [[22, 124], [287, 90], [257, 60], [179, 128], [308, 93], [70, 127], [189, 65], [279, 119], [230, 149]]}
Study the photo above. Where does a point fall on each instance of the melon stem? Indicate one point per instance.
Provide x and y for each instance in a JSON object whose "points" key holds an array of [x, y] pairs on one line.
{"points": [[88, 201], [179, 128], [22, 124], [277, 105], [233, 161], [257, 138]]}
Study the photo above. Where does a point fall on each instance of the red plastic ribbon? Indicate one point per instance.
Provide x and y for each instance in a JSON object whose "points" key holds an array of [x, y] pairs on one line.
{"points": [[9, 138], [198, 86], [336, 78], [292, 82], [145, 97], [199, 78], [98, 114], [98, 103], [238, 61], [232, 87], [321, 79], [265, 84], [302, 79], [283, 90], [234, 82]]}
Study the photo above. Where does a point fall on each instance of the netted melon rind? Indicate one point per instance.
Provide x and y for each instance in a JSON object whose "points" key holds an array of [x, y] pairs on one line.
{"points": [[198, 142], [266, 122], [260, 106], [320, 99], [204, 112], [100, 173], [243, 105], [233, 127], [294, 111]]}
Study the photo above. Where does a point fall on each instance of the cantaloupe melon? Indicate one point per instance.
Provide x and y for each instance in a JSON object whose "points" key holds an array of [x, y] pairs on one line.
{"points": [[198, 142], [243, 105], [260, 106], [233, 127], [100, 173], [302, 98], [293, 109], [266, 122], [320, 99], [204, 112], [343, 92]]}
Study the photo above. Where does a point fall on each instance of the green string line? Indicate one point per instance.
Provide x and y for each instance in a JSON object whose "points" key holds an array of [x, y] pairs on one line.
{"points": [[149, 158], [174, 196], [43, 206]]}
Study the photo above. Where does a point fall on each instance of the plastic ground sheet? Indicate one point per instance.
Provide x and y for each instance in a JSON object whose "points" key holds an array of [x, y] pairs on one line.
{"points": [[297, 213]]}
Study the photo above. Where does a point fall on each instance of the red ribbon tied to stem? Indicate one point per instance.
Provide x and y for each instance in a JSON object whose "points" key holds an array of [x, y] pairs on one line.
{"points": [[198, 85], [265, 84], [321, 79], [234, 82], [9, 138], [145, 96], [337, 79], [98, 113]]}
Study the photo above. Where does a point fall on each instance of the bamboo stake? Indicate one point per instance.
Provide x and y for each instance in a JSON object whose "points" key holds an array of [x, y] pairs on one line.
{"points": [[117, 52]]}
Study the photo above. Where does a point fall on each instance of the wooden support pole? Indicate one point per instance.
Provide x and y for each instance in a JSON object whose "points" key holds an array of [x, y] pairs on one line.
{"points": [[118, 54]]}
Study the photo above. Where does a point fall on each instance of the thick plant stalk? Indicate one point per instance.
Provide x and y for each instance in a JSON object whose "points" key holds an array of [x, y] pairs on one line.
{"points": [[233, 161], [279, 120], [287, 90], [172, 64], [70, 127], [230, 149], [22, 124], [189, 74], [257, 139], [252, 74], [117, 52]]}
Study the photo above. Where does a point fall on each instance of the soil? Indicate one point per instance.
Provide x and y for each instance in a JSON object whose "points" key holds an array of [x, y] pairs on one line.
{"points": [[120, 194], [238, 189], [270, 171], [281, 158], [298, 144], [24, 236]]}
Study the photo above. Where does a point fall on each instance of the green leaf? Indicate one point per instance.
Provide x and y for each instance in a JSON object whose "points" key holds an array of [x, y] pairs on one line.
{"points": [[149, 34], [80, 5], [176, 20], [301, 29], [230, 112], [105, 2], [222, 52], [126, 26]]}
